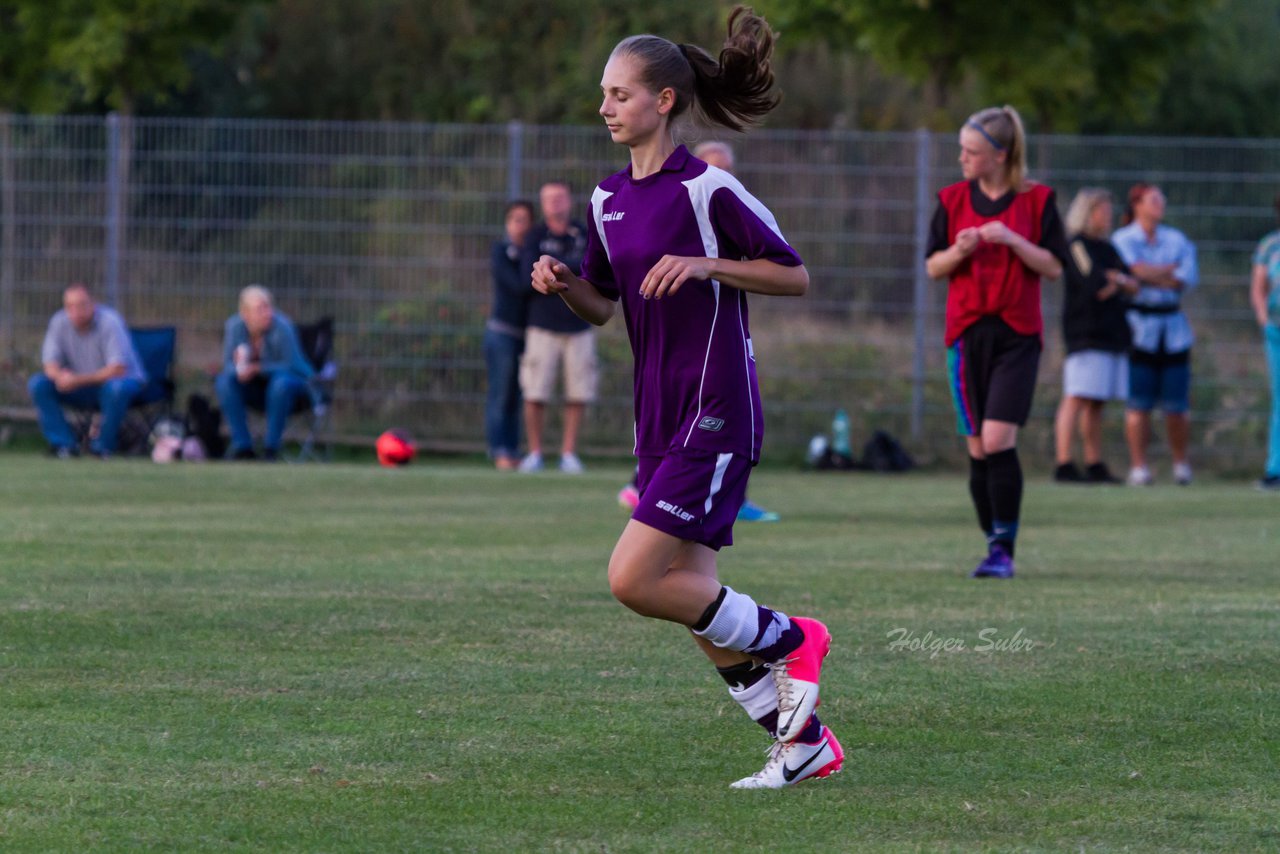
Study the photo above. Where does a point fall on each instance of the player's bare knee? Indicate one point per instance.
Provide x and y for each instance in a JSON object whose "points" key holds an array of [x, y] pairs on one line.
{"points": [[627, 585]]}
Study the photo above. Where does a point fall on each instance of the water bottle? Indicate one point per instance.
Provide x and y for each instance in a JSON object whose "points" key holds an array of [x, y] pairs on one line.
{"points": [[840, 434]]}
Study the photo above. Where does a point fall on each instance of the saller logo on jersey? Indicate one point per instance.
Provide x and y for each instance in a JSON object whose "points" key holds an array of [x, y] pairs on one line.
{"points": [[712, 424], [614, 215]]}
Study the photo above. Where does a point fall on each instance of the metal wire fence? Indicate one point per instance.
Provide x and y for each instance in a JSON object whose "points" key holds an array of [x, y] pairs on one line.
{"points": [[388, 226]]}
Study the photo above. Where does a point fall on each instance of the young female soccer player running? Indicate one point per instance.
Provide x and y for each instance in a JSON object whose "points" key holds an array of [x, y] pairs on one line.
{"points": [[680, 244], [994, 235]]}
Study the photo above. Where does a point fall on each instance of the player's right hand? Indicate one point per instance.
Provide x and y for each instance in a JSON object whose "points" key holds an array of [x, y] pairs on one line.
{"points": [[967, 241], [550, 276]]}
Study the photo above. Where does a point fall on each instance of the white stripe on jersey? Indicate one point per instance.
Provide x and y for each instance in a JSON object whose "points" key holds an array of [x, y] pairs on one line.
{"points": [[702, 187], [700, 190], [598, 198], [706, 360], [747, 356], [717, 480]]}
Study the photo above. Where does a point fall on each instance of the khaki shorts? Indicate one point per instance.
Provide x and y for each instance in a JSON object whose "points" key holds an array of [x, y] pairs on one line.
{"points": [[543, 353]]}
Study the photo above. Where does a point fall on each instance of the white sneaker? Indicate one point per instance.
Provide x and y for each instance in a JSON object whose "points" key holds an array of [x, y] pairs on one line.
{"points": [[1140, 476], [570, 464], [794, 761], [531, 463], [1182, 474]]}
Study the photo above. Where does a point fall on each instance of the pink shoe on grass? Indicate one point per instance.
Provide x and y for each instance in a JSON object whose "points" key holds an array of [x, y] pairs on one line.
{"points": [[629, 497], [795, 761], [796, 678]]}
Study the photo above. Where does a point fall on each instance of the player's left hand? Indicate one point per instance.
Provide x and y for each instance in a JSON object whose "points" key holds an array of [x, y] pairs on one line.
{"points": [[995, 232], [672, 271], [550, 276]]}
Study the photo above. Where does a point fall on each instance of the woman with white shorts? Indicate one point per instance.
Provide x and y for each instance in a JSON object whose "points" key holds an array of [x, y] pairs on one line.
{"points": [[1098, 287]]}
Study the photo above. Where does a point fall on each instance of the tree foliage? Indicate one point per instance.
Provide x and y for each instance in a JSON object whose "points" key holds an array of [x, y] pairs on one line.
{"points": [[28, 80], [120, 50], [1057, 59], [1184, 66]]}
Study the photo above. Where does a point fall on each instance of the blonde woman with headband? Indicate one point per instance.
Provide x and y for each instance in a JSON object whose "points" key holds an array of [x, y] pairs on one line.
{"points": [[1096, 332], [994, 236]]}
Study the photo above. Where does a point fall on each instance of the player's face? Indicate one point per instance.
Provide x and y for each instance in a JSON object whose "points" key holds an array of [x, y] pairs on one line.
{"points": [[979, 158], [631, 112]]}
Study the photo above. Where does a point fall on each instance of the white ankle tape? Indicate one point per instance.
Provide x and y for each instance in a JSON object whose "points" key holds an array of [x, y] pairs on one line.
{"points": [[759, 699], [736, 622]]}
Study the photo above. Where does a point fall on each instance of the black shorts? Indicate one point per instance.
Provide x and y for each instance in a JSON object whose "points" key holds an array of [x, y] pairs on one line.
{"points": [[992, 373]]}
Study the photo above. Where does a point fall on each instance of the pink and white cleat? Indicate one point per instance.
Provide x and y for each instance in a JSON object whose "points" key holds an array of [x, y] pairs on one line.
{"points": [[629, 497], [796, 678], [794, 761]]}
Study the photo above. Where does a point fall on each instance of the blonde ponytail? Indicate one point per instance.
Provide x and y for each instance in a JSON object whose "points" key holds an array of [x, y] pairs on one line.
{"points": [[1002, 127]]}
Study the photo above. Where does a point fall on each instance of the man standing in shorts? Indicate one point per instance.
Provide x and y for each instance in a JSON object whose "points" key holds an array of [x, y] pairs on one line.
{"points": [[1164, 261], [556, 336]]}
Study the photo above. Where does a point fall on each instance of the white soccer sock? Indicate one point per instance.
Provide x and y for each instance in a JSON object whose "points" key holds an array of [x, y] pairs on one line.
{"points": [[736, 622], [757, 700]]}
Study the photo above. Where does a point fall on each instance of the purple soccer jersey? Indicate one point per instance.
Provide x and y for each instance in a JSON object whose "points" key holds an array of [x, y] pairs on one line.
{"points": [[695, 374]]}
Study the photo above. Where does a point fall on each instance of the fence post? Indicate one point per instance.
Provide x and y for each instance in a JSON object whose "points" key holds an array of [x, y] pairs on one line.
{"points": [[515, 159], [8, 235], [920, 296], [115, 193]]}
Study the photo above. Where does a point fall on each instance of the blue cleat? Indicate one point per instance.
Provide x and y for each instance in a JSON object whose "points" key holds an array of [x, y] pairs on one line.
{"points": [[749, 512], [997, 564]]}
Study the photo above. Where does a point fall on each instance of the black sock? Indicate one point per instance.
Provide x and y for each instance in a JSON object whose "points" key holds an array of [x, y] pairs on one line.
{"points": [[744, 675], [980, 494], [710, 613], [1004, 479]]}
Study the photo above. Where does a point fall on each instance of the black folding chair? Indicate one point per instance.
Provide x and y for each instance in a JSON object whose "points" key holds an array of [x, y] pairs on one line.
{"points": [[316, 340]]}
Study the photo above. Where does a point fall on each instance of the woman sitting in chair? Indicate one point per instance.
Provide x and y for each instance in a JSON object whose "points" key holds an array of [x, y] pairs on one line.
{"points": [[263, 368]]}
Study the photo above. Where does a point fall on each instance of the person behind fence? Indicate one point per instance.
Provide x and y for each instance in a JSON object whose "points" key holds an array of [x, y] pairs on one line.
{"points": [[556, 336], [1164, 262], [88, 362], [504, 333], [994, 236], [1096, 332], [263, 368], [1264, 295]]}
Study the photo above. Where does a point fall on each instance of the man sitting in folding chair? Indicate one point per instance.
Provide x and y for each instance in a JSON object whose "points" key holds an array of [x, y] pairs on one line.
{"points": [[263, 368], [89, 363]]}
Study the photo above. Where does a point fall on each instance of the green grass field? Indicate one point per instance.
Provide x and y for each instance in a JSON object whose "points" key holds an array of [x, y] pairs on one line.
{"points": [[344, 658]]}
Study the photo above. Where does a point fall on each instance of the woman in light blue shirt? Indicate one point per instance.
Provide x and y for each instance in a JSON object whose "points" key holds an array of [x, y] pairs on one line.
{"points": [[1164, 261], [1264, 294]]}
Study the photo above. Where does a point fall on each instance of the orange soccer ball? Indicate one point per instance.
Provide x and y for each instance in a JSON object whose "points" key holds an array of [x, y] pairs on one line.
{"points": [[395, 448]]}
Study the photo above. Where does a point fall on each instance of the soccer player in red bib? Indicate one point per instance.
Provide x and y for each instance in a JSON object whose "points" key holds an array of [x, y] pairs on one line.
{"points": [[993, 237], [680, 244]]}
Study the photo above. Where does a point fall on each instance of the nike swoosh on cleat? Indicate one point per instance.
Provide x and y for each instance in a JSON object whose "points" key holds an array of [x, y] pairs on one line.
{"points": [[790, 774], [787, 726]]}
